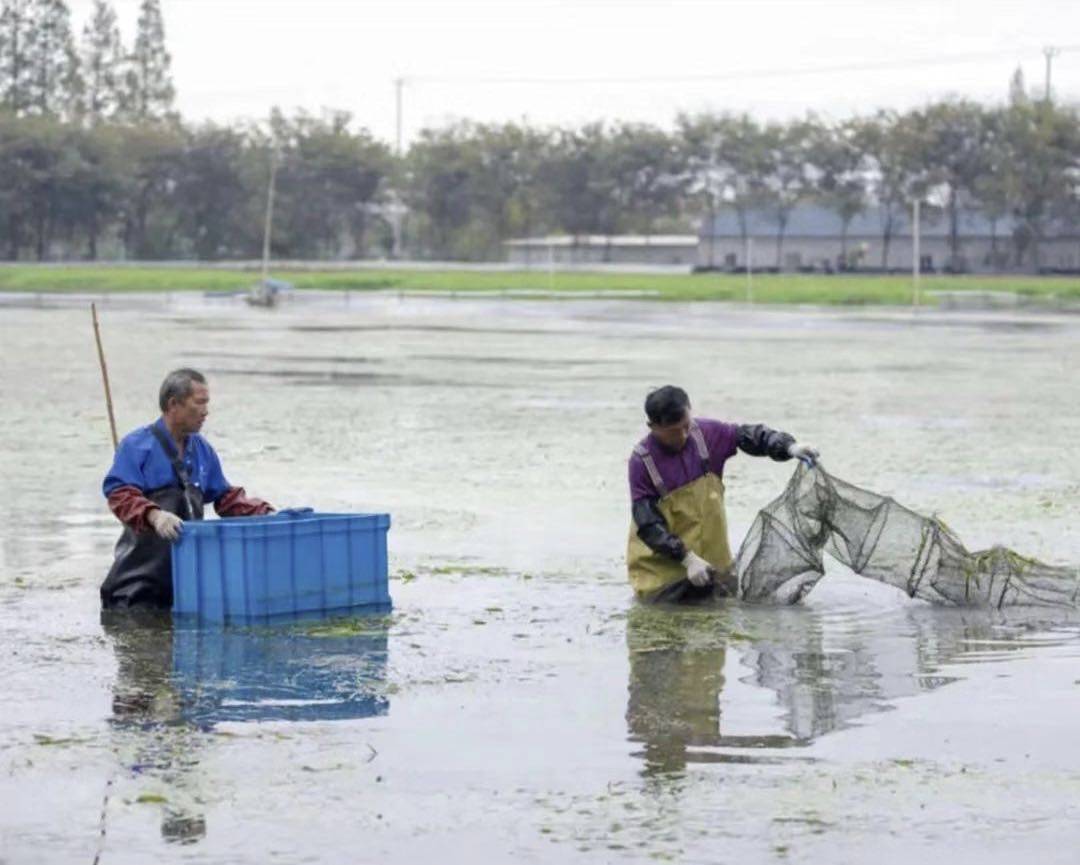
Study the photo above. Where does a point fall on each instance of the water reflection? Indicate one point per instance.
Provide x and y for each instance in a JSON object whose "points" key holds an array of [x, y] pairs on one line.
{"points": [[175, 684], [300, 673], [698, 675], [677, 677], [152, 740]]}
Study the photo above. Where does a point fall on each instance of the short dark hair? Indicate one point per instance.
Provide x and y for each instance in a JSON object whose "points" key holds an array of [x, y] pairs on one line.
{"points": [[666, 405], [179, 384]]}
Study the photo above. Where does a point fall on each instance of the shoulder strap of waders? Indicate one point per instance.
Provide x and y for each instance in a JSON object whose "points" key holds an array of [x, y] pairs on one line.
{"points": [[698, 438], [178, 465], [650, 466], [174, 457]]}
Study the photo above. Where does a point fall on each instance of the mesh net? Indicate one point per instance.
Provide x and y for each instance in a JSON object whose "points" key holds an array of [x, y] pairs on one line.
{"points": [[781, 558]]}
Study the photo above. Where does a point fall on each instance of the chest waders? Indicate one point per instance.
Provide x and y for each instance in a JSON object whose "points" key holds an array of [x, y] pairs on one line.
{"points": [[695, 512], [141, 575]]}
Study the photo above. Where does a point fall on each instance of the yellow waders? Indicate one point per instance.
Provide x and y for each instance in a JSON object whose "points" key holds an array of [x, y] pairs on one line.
{"points": [[695, 513]]}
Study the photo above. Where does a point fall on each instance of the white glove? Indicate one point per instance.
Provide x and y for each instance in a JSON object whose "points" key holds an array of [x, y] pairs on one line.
{"points": [[168, 526], [806, 453], [698, 571]]}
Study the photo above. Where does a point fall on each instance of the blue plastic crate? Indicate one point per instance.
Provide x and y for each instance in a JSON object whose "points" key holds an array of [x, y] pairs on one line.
{"points": [[263, 569]]}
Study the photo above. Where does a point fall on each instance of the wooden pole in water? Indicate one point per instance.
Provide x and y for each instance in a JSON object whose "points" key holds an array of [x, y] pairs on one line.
{"points": [[269, 221], [104, 376]]}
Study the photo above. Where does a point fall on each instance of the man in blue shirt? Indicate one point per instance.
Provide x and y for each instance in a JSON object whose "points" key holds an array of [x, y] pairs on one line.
{"points": [[161, 475]]}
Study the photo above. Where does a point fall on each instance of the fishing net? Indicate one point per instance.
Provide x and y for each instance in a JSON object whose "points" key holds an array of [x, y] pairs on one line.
{"points": [[781, 557]]}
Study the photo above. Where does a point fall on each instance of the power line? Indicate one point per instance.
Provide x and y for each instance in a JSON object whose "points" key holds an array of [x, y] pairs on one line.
{"points": [[745, 75], [742, 75]]}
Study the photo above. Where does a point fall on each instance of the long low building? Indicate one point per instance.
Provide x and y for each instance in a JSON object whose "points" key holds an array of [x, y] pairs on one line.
{"points": [[566, 249], [814, 240]]}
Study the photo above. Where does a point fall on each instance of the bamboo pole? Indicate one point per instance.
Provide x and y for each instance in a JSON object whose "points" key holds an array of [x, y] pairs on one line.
{"points": [[269, 220], [104, 376]]}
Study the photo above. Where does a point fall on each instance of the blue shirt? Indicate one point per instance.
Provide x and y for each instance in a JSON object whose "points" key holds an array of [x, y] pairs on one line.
{"points": [[141, 462]]}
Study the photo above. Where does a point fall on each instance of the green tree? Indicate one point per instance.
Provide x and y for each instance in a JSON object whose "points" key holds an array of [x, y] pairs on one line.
{"points": [[991, 189], [54, 86], [102, 63], [647, 180], [94, 185], [149, 208], [441, 171], [727, 163], [708, 173], [505, 194], [1042, 157], [578, 182], [18, 180], [840, 176], [329, 180], [39, 164], [16, 27], [786, 172], [218, 217], [148, 87], [890, 141], [748, 154], [952, 138], [1018, 94]]}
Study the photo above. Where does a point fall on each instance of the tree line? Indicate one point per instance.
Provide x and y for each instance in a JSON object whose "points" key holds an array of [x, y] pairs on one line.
{"points": [[96, 163]]}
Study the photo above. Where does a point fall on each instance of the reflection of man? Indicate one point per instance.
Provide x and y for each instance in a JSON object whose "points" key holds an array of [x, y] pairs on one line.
{"points": [[678, 547], [677, 658], [160, 476], [148, 720], [676, 676]]}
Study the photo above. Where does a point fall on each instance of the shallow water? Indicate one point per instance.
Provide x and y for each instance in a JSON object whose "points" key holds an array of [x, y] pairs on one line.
{"points": [[516, 705]]}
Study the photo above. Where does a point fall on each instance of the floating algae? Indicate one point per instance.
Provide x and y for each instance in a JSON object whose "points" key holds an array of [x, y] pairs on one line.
{"points": [[781, 557]]}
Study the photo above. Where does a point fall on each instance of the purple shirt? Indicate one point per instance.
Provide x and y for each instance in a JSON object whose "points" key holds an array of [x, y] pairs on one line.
{"points": [[679, 469]]}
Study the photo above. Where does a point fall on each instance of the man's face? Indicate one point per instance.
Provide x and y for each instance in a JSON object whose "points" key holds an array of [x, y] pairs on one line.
{"points": [[188, 415], [673, 436]]}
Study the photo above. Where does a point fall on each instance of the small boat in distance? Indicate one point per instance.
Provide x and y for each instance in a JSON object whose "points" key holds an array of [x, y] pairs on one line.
{"points": [[267, 292]]}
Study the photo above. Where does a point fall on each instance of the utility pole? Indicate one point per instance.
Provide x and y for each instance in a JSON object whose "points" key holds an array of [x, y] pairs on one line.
{"points": [[916, 253], [399, 86], [1050, 53], [268, 224], [749, 269]]}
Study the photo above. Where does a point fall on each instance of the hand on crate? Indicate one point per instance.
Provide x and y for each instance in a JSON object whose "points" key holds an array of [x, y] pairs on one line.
{"points": [[168, 526]]}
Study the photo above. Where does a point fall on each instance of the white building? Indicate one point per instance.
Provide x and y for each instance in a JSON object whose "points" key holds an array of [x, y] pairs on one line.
{"points": [[813, 241], [564, 249]]}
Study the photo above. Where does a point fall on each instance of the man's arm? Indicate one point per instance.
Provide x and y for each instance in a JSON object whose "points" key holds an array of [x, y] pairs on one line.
{"points": [[234, 502], [653, 530], [125, 483], [758, 440], [131, 507], [229, 501]]}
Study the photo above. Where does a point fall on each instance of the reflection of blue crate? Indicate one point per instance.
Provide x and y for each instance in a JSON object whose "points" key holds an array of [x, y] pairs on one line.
{"points": [[258, 674], [252, 569]]}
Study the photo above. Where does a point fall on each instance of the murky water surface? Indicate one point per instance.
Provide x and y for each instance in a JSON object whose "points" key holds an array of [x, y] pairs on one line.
{"points": [[516, 705]]}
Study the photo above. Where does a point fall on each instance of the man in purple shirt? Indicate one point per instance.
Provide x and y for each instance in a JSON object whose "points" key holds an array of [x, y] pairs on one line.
{"points": [[678, 546]]}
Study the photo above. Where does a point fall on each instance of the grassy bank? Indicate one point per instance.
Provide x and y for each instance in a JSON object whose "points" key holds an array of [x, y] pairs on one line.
{"points": [[767, 288]]}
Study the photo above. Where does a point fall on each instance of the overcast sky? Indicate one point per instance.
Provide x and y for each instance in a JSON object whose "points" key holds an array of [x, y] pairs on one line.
{"points": [[237, 58]]}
